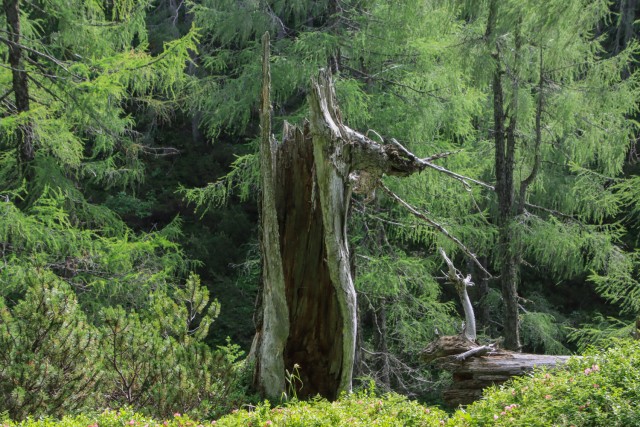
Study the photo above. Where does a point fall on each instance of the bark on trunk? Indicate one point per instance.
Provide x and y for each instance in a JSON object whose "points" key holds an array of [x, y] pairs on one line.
{"points": [[472, 376], [308, 301], [504, 138], [26, 150], [626, 20], [273, 330], [484, 311]]}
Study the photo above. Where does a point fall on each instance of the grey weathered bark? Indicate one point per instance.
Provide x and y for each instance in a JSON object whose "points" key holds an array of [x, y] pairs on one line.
{"points": [[461, 284], [308, 301], [275, 324], [482, 293], [25, 146], [471, 376], [475, 367]]}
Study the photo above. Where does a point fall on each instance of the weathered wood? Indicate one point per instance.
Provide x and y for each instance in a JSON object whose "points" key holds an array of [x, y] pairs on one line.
{"points": [[306, 320], [482, 367], [455, 397], [473, 374], [461, 284], [315, 341], [446, 346], [299, 325], [501, 363], [273, 327]]}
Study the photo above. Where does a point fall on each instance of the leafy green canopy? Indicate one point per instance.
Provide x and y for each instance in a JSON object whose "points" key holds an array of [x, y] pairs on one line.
{"points": [[89, 74], [92, 314]]}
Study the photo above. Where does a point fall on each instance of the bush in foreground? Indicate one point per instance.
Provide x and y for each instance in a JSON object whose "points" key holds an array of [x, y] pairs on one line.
{"points": [[597, 390], [359, 409]]}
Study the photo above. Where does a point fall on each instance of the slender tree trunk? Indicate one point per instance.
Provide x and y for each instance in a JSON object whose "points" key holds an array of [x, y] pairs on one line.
{"points": [[25, 146], [505, 143], [505, 192], [483, 309], [624, 33], [383, 348]]}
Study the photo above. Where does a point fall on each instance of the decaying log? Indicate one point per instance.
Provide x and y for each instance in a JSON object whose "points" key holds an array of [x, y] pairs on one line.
{"points": [[472, 376], [446, 346], [481, 366]]}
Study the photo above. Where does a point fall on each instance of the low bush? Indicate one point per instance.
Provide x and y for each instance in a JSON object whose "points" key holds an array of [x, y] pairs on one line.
{"points": [[596, 390], [358, 409], [54, 361]]}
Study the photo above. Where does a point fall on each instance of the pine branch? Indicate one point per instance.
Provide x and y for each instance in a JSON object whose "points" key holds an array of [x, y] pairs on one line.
{"points": [[6, 94], [158, 151]]}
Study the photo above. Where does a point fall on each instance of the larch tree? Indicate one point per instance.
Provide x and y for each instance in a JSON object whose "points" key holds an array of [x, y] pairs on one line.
{"points": [[73, 78], [560, 129]]}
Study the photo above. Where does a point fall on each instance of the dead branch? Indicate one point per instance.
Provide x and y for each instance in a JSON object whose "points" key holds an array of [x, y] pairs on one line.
{"points": [[461, 283], [437, 226]]}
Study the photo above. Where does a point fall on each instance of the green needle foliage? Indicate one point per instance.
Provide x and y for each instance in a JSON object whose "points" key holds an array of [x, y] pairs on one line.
{"points": [[93, 314]]}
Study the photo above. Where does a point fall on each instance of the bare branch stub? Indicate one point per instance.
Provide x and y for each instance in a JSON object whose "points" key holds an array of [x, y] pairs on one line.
{"points": [[461, 283]]}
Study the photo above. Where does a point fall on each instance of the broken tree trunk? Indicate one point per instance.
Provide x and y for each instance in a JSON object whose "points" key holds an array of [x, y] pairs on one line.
{"points": [[473, 375], [307, 318]]}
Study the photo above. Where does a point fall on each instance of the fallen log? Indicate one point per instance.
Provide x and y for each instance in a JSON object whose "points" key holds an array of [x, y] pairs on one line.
{"points": [[483, 368]]}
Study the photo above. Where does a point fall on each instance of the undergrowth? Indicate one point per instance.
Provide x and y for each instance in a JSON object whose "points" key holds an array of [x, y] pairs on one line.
{"points": [[599, 389]]}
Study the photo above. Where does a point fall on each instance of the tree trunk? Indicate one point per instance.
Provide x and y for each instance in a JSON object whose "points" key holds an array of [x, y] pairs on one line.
{"points": [[472, 376], [309, 301], [505, 191], [475, 368], [273, 327], [504, 138], [484, 311], [307, 324], [626, 19], [25, 146]]}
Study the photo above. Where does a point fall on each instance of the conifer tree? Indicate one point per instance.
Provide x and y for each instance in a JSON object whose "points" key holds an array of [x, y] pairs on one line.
{"points": [[76, 73]]}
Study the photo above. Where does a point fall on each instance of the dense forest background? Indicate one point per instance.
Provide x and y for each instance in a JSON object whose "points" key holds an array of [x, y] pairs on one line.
{"points": [[129, 183]]}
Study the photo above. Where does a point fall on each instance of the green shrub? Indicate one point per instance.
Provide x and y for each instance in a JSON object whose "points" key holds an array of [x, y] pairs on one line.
{"points": [[53, 361], [108, 418], [155, 360], [47, 350], [358, 409], [597, 390]]}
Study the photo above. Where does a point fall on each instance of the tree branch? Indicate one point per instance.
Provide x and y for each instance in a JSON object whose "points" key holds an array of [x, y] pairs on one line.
{"points": [[437, 226], [461, 283]]}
